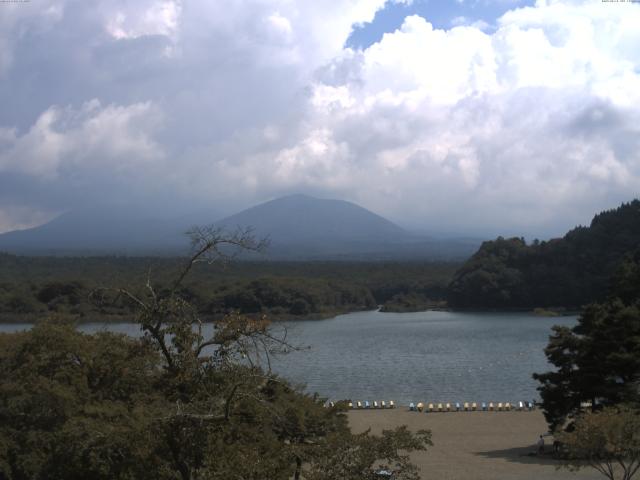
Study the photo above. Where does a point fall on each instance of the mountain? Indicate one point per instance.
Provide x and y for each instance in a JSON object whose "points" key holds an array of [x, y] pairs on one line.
{"points": [[299, 227], [100, 231], [565, 272], [304, 227], [304, 219]]}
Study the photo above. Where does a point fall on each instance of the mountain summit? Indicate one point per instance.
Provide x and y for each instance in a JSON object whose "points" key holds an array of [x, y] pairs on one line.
{"points": [[304, 227], [300, 227], [298, 219]]}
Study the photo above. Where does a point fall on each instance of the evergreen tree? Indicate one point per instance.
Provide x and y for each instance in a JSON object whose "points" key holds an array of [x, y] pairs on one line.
{"points": [[598, 360], [565, 272]]}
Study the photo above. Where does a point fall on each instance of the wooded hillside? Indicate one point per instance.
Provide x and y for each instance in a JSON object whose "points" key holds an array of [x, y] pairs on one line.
{"points": [[565, 272]]}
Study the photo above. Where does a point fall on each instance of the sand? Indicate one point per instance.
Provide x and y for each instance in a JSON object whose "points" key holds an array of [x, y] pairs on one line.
{"points": [[475, 445]]}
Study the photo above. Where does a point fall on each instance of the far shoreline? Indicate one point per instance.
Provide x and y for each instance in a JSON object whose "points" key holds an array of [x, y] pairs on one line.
{"points": [[32, 319]]}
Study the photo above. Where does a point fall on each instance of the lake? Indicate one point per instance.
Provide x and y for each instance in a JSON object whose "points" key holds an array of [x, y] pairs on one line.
{"points": [[411, 357]]}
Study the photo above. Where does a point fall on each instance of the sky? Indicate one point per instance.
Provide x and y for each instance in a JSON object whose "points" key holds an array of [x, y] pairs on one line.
{"points": [[471, 116]]}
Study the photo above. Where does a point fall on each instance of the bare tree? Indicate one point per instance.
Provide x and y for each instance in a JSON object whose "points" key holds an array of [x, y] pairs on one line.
{"points": [[222, 411], [173, 324]]}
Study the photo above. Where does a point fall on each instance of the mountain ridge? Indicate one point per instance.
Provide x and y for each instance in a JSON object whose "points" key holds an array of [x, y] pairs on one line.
{"points": [[299, 226], [299, 217]]}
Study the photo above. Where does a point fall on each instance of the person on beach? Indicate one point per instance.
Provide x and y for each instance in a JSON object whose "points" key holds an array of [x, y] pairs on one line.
{"points": [[541, 446]]}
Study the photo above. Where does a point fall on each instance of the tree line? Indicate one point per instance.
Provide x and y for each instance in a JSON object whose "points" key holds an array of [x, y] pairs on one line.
{"points": [[33, 286], [566, 272], [591, 399], [175, 404]]}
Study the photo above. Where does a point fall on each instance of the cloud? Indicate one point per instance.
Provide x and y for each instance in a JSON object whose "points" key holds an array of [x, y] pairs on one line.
{"points": [[464, 21], [63, 139], [17, 18], [20, 218], [532, 125], [156, 18]]}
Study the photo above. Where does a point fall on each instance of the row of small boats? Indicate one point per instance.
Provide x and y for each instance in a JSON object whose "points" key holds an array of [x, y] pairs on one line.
{"points": [[444, 407], [374, 404], [366, 404], [471, 407]]}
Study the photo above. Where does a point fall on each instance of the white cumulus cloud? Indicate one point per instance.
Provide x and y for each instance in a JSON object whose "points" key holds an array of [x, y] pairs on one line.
{"points": [[529, 126], [63, 139]]}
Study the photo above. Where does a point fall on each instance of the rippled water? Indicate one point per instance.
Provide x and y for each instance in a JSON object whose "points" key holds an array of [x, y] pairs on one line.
{"points": [[425, 356], [428, 356]]}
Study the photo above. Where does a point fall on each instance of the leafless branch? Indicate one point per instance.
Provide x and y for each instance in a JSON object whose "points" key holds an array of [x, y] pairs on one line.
{"points": [[208, 245]]}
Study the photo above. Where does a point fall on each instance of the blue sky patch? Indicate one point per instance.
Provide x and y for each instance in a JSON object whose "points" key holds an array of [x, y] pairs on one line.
{"points": [[442, 14]]}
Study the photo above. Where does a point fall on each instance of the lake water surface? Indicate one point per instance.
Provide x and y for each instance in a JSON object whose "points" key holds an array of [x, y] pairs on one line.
{"points": [[410, 357]]}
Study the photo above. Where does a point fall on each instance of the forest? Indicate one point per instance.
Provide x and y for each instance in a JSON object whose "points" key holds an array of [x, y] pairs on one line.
{"points": [[174, 404], [562, 274], [567, 272], [33, 286]]}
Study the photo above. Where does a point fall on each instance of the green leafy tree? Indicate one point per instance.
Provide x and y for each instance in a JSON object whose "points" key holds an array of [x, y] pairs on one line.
{"points": [[71, 405], [363, 456], [597, 361], [626, 281], [608, 441], [175, 404], [571, 271]]}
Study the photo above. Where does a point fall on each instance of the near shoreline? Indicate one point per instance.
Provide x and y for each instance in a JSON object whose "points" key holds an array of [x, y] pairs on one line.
{"points": [[475, 445]]}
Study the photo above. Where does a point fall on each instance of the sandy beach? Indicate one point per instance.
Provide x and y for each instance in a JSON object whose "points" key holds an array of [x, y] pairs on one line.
{"points": [[475, 445]]}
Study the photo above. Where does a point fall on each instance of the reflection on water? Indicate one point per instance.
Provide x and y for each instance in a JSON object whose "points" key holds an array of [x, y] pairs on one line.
{"points": [[428, 356]]}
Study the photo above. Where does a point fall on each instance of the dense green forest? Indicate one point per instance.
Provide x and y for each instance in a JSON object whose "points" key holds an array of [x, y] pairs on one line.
{"points": [[567, 272], [33, 286], [591, 398], [597, 361], [174, 404]]}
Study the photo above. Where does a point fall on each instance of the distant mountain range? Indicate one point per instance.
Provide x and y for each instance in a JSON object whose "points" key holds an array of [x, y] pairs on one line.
{"points": [[98, 231], [299, 227]]}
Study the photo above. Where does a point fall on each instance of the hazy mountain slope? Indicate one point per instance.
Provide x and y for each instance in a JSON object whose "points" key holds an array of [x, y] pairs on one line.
{"points": [[99, 230], [299, 227], [303, 219], [304, 227]]}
